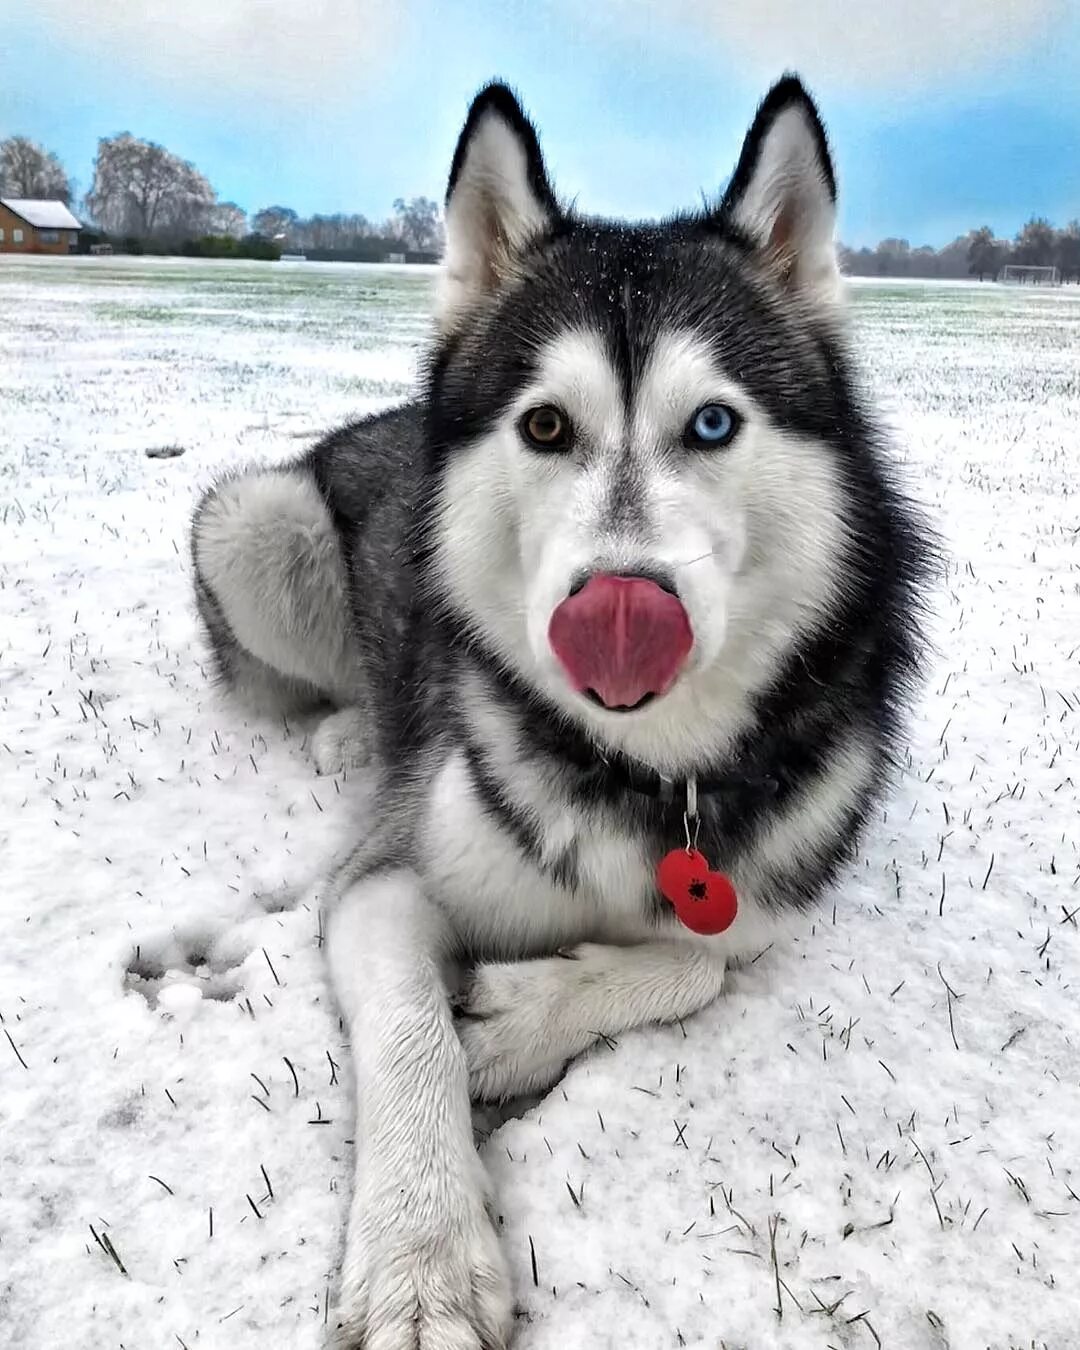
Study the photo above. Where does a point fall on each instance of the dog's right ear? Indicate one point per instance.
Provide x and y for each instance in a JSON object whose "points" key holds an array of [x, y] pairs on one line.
{"points": [[782, 195], [499, 200]]}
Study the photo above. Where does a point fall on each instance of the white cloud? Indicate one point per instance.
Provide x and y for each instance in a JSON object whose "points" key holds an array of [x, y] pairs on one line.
{"points": [[862, 44], [291, 50], [282, 49]]}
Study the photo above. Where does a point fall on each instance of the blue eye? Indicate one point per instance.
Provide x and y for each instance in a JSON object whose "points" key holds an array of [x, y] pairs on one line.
{"points": [[711, 426]]}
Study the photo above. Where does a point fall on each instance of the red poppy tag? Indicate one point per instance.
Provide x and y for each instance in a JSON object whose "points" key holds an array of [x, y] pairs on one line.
{"points": [[704, 900]]}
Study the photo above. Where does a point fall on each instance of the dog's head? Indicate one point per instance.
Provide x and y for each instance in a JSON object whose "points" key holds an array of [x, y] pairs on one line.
{"points": [[636, 430]]}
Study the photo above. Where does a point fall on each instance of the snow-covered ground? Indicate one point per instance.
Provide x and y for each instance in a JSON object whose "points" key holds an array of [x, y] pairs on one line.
{"points": [[872, 1140]]}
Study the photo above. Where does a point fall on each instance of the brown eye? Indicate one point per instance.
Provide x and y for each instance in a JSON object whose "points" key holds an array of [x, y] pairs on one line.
{"points": [[546, 428]]}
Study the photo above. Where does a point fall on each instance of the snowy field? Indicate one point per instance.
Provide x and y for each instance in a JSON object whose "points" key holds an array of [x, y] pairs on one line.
{"points": [[872, 1140]]}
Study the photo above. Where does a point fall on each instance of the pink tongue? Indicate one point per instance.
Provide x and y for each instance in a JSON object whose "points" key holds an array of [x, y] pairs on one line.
{"points": [[621, 638]]}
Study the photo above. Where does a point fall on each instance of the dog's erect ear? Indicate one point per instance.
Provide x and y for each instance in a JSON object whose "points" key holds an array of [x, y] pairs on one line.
{"points": [[782, 194], [498, 200]]}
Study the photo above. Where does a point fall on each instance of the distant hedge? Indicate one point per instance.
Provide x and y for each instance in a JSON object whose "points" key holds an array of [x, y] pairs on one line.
{"points": [[375, 250], [208, 246], [225, 246]]}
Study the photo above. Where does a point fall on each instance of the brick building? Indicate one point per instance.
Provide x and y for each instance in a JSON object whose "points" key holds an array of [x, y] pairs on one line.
{"points": [[37, 227]]}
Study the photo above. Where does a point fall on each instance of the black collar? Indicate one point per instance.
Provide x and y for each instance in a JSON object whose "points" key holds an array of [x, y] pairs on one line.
{"points": [[624, 773]]}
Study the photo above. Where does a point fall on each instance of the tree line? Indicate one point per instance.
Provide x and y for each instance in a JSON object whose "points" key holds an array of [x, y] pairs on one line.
{"points": [[144, 198], [978, 253]]}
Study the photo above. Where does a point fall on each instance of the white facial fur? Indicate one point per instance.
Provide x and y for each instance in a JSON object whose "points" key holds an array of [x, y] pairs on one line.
{"points": [[752, 532]]}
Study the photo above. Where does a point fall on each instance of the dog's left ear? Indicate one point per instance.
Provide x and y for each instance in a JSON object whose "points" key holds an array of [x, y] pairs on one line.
{"points": [[498, 202], [782, 194]]}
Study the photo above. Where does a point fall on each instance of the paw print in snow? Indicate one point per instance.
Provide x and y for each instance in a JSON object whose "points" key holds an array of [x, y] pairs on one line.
{"points": [[175, 972]]}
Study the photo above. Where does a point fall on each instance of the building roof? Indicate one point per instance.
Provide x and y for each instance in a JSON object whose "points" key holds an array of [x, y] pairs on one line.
{"points": [[42, 215]]}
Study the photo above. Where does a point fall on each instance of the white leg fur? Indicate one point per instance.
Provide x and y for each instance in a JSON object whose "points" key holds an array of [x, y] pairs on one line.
{"points": [[422, 1268], [267, 547], [521, 1021], [343, 740]]}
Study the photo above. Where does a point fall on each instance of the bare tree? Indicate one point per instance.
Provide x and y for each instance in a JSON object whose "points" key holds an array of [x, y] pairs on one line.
{"points": [[894, 257], [29, 170], [419, 222], [416, 223], [336, 232], [354, 229], [143, 190], [275, 222], [226, 218]]}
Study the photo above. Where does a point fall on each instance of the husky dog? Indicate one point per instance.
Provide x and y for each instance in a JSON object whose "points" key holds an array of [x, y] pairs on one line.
{"points": [[630, 583]]}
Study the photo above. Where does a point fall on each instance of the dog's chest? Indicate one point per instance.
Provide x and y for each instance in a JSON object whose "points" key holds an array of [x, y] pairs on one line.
{"points": [[535, 880]]}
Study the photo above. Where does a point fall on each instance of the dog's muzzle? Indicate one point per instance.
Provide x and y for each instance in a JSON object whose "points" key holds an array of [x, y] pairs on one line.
{"points": [[622, 640]]}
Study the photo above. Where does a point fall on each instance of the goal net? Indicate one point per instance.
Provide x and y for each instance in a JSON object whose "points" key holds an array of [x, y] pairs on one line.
{"points": [[1020, 274]]}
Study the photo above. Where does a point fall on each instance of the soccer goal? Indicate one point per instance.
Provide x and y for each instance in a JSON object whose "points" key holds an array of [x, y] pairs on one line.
{"points": [[1020, 274]]}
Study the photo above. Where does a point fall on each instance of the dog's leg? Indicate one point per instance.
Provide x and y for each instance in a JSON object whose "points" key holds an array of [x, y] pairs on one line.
{"points": [[520, 1022], [272, 590], [422, 1268]]}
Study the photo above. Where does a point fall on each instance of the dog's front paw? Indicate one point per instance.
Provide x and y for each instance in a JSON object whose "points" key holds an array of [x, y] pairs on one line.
{"points": [[512, 1023], [423, 1276], [342, 740]]}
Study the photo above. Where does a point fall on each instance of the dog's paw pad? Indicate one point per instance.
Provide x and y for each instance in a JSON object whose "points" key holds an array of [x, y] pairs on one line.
{"points": [[177, 972]]}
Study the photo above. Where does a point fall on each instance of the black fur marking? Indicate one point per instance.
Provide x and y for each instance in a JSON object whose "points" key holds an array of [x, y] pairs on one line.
{"points": [[564, 870], [363, 472], [497, 801], [625, 507], [223, 645], [498, 804]]}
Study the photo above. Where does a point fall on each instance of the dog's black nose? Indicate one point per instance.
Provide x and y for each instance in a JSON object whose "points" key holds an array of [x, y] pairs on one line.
{"points": [[659, 576]]}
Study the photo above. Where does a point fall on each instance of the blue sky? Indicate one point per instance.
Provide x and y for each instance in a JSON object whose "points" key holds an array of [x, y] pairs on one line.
{"points": [[943, 115]]}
